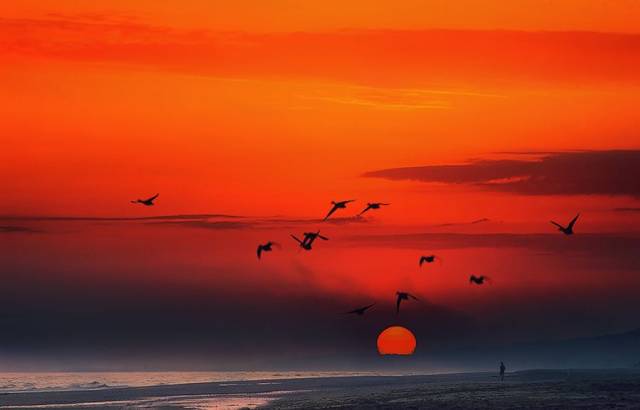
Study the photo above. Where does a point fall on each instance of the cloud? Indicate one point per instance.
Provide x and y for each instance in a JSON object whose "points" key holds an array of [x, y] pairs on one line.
{"points": [[615, 245], [334, 220], [587, 251], [208, 221], [474, 222], [204, 224], [16, 229], [631, 209], [425, 55], [199, 221], [561, 173], [550, 242], [71, 218]]}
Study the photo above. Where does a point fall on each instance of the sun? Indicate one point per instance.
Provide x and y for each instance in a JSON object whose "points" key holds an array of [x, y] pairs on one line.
{"points": [[396, 340]]}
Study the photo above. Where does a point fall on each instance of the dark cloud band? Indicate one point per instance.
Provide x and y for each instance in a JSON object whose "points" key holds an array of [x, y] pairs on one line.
{"points": [[562, 173]]}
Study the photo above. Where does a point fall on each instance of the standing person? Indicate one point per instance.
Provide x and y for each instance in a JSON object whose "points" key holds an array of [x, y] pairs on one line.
{"points": [[502, 369]]}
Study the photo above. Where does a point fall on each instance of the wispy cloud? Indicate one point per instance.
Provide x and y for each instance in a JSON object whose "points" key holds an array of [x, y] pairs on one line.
{"points": [[356, 56], [474, 222], [427, 105], [71, 218], [631, 210], [561, 173], [17, 229], [619, 248], [200, 221]]}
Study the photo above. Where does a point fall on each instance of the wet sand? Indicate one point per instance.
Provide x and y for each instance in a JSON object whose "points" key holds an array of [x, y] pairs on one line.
{"points": [[544, 389], [555, 389]]}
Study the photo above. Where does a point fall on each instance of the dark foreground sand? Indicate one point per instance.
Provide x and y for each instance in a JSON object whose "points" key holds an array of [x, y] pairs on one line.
{"points": [[543, 389], [535, 389]]}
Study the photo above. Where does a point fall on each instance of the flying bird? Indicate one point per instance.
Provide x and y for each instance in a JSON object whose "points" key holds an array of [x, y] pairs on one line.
{"points": [[309, 238], [429, 259], [479, 280], [303, 244], [403, 296], [359, 311], [336, 206], [373, 205], [267, 247], [568, 230], [146, 202]]}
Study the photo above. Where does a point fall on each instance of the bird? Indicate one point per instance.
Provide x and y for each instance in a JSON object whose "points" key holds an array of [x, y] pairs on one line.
{"points": [[336, 206], [303, 244], [479, 280], [359, 311], [372, 205], [267, 247], [568, 230], [429, 259], [403, 296], [309, 238], [146, 202]]}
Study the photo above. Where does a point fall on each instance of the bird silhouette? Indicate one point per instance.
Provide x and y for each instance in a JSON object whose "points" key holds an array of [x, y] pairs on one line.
{"points": [[568, 230], [336, 206], [373, 205], [359, 311], [309, 238], [303, 244], [429, 259], [267, 247], [479, 280], [146, 202], [403, 296]]}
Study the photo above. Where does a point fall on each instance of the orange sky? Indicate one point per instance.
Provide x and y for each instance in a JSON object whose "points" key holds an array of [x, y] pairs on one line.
{"points": [[103, 101], [287, 15]]}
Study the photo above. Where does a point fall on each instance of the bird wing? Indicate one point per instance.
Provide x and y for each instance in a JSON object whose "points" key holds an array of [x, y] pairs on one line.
{"points": [[348, 200], [413, 297], [259, 251], [152, 198], [472, 278], [330, 212], [398, 304], [297, 240], [573, 222], [422, 259], [384, 204], [365, 209], [557, 224], [324, 238]]}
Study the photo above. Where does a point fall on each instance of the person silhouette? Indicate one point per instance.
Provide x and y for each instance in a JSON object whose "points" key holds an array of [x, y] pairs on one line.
{"points": [[502, 369]]}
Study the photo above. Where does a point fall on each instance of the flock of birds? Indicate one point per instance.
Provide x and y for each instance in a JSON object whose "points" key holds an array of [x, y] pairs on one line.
{"points": [[308, 238]]}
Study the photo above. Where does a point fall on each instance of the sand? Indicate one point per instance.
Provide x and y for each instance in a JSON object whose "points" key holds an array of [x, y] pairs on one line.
{"points": [[538, 389]]}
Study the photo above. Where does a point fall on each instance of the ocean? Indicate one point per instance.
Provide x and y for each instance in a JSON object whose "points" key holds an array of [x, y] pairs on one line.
{"points": [[71, 381]]}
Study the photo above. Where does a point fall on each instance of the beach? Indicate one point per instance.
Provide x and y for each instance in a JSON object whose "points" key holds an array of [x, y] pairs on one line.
{"points": [[533, 389]]}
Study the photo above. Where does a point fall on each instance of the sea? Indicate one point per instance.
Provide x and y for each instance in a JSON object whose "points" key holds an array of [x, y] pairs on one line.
{"points": [[71, 381]]}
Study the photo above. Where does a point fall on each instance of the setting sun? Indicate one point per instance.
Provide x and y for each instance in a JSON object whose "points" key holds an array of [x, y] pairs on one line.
{"points": [[396, 340]]}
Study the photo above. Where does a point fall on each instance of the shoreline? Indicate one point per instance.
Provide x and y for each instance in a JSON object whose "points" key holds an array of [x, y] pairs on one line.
{"points": [[357, 391]]}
